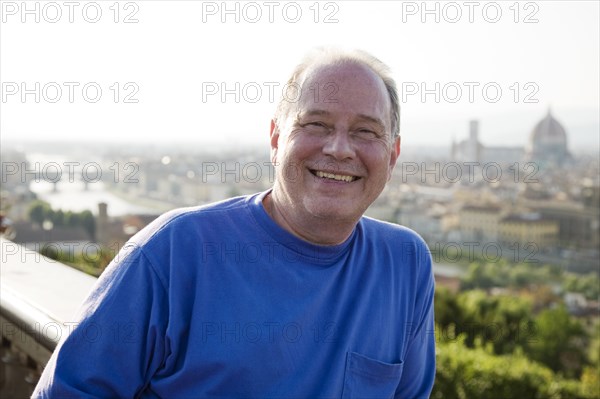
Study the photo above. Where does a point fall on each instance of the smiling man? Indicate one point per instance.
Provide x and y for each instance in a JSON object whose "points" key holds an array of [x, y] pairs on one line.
{"points": [[289, 293], [341, 146]]}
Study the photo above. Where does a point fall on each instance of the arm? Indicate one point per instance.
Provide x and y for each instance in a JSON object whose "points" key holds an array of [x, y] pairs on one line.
{"points": [[118, 341], [419, 362]]}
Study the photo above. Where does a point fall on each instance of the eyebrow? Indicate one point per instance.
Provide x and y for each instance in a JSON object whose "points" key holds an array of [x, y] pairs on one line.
{"points": [[318, 112], [312, 112]]}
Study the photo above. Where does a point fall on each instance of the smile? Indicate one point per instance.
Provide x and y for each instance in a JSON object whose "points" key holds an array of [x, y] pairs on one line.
{"points": [[334, 176]]}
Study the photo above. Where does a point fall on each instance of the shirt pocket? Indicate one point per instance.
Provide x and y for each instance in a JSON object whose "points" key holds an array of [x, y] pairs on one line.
{"points": [[368, 378]]}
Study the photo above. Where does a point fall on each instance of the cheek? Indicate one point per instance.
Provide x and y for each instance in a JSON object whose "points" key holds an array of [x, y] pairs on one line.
{"points": [[380, 169], [378, 158], [302, 145], [289, 159]]}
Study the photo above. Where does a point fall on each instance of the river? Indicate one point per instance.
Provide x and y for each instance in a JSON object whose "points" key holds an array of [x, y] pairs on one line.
{"points": [[71, 193]]}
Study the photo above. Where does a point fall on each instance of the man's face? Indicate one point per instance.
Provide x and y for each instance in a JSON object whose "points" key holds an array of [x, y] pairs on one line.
{"points": [[333, 152]]}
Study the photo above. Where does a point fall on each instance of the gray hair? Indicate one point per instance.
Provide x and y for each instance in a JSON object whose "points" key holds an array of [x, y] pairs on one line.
{"points": [[328, 55]]}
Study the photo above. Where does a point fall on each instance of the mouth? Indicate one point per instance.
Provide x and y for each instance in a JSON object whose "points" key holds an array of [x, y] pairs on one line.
{"points": [[334, 176]]}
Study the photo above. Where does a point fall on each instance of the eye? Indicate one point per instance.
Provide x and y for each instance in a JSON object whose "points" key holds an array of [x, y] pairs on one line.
{"points": [[316, 127], [366, 133]]}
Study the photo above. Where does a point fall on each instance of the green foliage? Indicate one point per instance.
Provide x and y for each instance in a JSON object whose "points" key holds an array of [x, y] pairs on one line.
{"points": [[507, 325], [465, 373], [90, 263], [590, 381], [560, 342], [588, 285], [50, 251], [39, 211], [89, 223], [519, 344], [594, 352], [486, 275], [72, 219], [446, 309], [504, 322], [58, 218], [481, 276]]}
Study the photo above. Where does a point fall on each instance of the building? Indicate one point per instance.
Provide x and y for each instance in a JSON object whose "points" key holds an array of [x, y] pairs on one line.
{"points": [[480, 222], [547, 146], [113, 233], [548, 143], [468, 150], [472, 150], [528, 228], [577, 223]]}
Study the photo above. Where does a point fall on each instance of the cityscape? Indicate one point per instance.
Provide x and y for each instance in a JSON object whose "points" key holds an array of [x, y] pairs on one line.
{"points": [[528, 211], [535, 203], [114, 114]]}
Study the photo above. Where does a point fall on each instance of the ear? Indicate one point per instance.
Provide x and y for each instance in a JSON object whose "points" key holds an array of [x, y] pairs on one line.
{"points": [[274, 139], [394, 156]]}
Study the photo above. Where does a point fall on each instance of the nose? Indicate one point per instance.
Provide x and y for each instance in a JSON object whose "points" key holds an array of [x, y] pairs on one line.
{"points": [[339, 145]]}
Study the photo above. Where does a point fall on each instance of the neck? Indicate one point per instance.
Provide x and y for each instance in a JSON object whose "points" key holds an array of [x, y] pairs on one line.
{"points": [[320, 231]]}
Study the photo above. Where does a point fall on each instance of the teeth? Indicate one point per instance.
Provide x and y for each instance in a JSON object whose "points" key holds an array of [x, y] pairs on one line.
{"points": [[334, 176]]}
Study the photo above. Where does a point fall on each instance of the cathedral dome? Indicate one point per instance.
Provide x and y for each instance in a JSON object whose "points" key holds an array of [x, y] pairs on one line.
{"points": [[549, 131], [548, 141]]}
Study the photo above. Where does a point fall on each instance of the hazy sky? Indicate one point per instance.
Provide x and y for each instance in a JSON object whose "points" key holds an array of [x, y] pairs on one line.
{"points": [[172, 57]]}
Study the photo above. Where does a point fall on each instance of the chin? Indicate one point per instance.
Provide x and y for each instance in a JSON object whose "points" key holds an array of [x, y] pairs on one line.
{"points": [[334, 211]]}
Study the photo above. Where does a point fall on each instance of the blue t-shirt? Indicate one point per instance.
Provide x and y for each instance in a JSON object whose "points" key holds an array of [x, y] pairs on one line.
{"points": [[220, 301]]}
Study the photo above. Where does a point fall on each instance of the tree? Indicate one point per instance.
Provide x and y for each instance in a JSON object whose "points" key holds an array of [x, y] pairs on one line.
{"points": [[590, 381], [465, 373], [504, 321], [39, 211], [72, 219], [559, 342], [588, 285], [58, 218], [89, 223], [446, 308], [486, 275]]}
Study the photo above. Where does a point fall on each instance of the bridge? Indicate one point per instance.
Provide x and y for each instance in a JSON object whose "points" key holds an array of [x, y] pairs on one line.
{"points": [[55, 172]]}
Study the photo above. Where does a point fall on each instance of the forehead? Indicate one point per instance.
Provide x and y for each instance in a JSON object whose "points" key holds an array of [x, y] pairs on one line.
{"points": [[346, 88]]}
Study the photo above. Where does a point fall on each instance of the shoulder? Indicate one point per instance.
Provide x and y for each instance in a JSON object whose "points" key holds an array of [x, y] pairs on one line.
{"points": [[404, 244], [391, 231], [177, 238], [183, 221]]}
